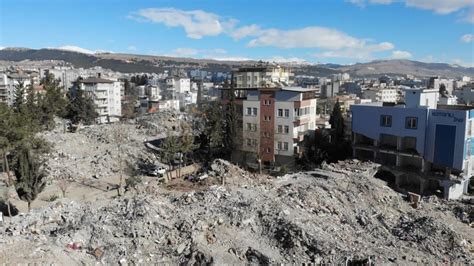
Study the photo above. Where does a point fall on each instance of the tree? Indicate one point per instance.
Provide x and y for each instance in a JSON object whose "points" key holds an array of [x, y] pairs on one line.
{"points": [[186, 143], [212, 136], [169, 148], [337, 123], [129, 109], [119, 139], [81, 108], [30, 177], [19, 97], [63, 184], [53, 103], [231, 117]]}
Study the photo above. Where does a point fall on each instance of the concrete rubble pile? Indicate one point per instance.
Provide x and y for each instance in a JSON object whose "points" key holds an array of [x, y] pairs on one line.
{"points": [[337, 216], [93, 151]]}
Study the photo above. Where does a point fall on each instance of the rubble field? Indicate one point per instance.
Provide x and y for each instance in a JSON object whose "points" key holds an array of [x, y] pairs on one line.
{"points": [[337, 214], [93, 151]]}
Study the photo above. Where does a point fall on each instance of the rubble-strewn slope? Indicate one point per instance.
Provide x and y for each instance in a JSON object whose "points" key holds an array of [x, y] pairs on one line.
{"points": [[331, 215]]}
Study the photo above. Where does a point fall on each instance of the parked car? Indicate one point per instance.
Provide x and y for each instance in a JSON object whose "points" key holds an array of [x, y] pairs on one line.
{"points": [[157, 171]]}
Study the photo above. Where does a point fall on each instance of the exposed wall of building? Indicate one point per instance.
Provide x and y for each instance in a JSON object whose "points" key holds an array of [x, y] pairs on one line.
{"points": [[366, 120]]}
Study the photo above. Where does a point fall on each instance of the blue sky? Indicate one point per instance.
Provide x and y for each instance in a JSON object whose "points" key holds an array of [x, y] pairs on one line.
{"points": [[326, 31]]}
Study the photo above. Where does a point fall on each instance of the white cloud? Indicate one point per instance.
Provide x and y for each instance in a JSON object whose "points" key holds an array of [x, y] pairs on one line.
{"points": [[443, 7], [359, 52], [309, 37], [467, 38], [242, 32], [196, 23], [281, 59], [401, 54], [75, 49], [1, 47], [132, 48]]}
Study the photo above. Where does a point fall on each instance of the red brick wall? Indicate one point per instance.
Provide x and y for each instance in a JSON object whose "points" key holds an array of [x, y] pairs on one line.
{"points": [[267, 126]]}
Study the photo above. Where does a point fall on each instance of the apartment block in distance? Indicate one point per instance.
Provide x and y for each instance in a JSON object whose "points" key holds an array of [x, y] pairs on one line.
{"points": [[275, 116], [106, 96], [431, 144]]}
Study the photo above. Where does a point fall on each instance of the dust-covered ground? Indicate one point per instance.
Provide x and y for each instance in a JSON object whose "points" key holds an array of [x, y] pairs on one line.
{"points": [[337, 214]]}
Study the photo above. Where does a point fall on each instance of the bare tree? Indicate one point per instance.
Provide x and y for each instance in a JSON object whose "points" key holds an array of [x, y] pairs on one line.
{"points": [[119, 138], [63, 184]]}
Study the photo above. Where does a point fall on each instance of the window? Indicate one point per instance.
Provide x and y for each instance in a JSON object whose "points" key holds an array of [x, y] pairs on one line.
{"points": [[267, 118], [280, 129], [254, 142], [287, 129], [411, 123], [285, 146], [249, 126], [249, 142], [269, 150], [266, 134], [249, 111], [255, 111], [280, 112], [386, 120], [279, 145], [287, 112], [267, 102], [254, 127]]}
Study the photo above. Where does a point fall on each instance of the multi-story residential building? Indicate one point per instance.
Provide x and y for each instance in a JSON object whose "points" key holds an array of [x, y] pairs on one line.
{"points": [[178, 85], [261, 76], [420, 136], [275, 122], [6, 90], [387, 95], [273, 117], [465, 95], [9, 82], [106, 96]]}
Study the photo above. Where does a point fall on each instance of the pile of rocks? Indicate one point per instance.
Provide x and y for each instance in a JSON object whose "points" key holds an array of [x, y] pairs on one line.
{"points": [[320, 216]]}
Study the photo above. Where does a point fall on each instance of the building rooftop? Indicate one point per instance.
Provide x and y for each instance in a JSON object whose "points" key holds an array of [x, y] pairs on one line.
{"points": [[298, 89], [96, 80]]}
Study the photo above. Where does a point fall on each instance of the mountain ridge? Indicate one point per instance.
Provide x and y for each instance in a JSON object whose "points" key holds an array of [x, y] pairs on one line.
{"points": [[131, 63]]}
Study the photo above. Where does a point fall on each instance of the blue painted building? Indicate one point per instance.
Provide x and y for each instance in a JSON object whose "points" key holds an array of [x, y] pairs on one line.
{"points": [[420, 136]]}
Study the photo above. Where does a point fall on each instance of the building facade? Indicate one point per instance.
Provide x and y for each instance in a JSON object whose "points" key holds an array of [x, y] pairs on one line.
{"points": [[272, 117], [106, 96], [420, 136]]}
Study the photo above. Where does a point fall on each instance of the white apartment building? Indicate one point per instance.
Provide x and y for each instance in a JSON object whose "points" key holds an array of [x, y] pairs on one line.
{"points": [[387, 95], [263, 76], [178, 85], [8, 84], [106, 96]]}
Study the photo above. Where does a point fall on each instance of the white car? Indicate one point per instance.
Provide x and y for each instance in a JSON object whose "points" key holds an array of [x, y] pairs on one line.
{"points": [[157, 171]]}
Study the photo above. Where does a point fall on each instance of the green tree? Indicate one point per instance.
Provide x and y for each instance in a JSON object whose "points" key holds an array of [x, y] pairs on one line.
{"points": [[19, 97], [212, 136], [53, 103], [30, 177], [230, 125], [169, 148], [337, 124], [186, 144], [81, 108]]}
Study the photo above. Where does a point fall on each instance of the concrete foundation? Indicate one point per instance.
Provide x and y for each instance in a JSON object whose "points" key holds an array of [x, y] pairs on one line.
{"points": [[425, 184]]}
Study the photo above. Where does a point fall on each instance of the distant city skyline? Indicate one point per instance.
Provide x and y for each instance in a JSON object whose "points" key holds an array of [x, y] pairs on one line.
{"points": [[341, 32]]}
